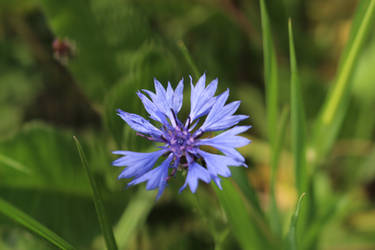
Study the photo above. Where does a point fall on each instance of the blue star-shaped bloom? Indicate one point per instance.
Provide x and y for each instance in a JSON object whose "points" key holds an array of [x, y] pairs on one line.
{"points": [[182, 141]]}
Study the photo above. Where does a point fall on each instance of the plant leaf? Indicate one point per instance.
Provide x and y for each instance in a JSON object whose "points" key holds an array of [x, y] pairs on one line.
{"points": [[297, 120], [30, 223], [274, 213], [9, 162], [240, 177], [247, 228], [134, 216], [271, 83], [181, 45], [292, 235], [337, 101], [98, 201]]}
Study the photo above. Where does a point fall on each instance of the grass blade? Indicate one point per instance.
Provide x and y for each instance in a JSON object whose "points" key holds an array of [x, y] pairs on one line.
{"points": [[356, 22], [329, 213], [241, 179], [297, 120], [270, 74], [335, 106], [185, 52], [134, 216], [11, 163], [248, 229], [98, 201], [274, 213], [271, 83], [30, 223], [292, 235]]}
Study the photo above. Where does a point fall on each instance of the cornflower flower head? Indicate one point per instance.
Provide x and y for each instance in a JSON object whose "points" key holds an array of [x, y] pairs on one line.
{"points": [[181, 141]]}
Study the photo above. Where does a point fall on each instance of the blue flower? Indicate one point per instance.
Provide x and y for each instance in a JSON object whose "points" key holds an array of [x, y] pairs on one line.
{"points": [[181, 141]]}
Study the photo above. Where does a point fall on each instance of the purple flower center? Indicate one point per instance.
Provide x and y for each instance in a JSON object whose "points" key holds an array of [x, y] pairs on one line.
{"points": [[179, 141]]}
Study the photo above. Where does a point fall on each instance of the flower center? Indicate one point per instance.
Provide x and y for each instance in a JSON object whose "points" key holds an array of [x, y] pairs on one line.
{"points": [[180, 141]]}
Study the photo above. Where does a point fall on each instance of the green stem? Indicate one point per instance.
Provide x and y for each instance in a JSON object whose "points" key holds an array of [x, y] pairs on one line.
{"points": [[185, 52], [98, 201]]}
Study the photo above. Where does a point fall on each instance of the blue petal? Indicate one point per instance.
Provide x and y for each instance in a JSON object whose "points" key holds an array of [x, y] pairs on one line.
{"points": [[228, 138], [195, 172], [151, 94], [225, 122], [164, 101], [161, 100], [221, 116], [218, 165], [160, 90], [156, 178], [197, 89], [201, 98], [138, 123], [236, 130], [178, 97], [227, 141], [137, 163], [151, 108], [231, 152], [207, 99], [169, 93], [217, 181]]}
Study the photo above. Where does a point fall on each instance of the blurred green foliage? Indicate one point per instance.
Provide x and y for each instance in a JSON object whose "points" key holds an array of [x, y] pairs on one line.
{"points": [[118, 47]]}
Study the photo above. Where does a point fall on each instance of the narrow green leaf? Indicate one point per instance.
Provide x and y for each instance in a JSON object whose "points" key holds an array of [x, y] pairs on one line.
{"points": [[52, 145], [9, 162], [270, 74], [188, 59], [33, 225], [248, 229], [297, 120], [241, 179], [134, 216], [327, 215], [271, 83], [98, 201], [335, 106], [292, 235], [274, 213], [356, 22]]}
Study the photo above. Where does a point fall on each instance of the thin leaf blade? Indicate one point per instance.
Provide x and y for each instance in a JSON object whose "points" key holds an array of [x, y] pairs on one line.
{"points": [[181, 45], [30, 223], [240, 177], [11, 163], [271, 83], [270, 73], [274, 213], [98, 201], [247, 228], [292, 235], [298, 126], [134, 216], [334, 109]]}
